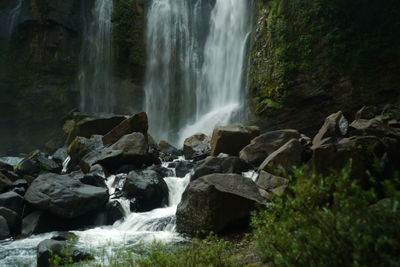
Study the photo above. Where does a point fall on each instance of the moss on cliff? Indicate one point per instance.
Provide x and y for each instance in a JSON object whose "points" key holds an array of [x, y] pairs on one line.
{"points": [[323, 48], [128, 24]]}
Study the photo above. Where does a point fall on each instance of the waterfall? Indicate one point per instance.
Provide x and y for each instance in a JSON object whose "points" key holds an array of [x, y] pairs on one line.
{"points": [[96, 64], [13, 18], [195, 69]]}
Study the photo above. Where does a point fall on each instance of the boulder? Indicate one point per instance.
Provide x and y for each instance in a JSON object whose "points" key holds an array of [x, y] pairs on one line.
{"points": [[112, 212], [163, 172], [62, 252], [367, 113], [217, 203], [148, 189], [135, 123], [271, 183], [106, 157], [86, 126], [374, 127], [196, 146], [13, 220], [282, 161], [37, 162], [5, 183], [264, 145], [134, 144], [12, 201], [232, 139], [12, 176], [82, 146], [224, 164], [60, 155], [182, 168], [335, 126], [4, 230], [65, 195], [169, 149], [363, 151], [8, 163]]}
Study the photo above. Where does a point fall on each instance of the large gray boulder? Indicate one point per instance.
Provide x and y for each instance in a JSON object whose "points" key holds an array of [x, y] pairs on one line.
{"points": [[135, 123], [196, 146], [264, 145], [12, 201], [285, 158], [134, 144], [218, 203], [232, 139], [220, 164], [147, 189], [335, 126], [65, 195]]}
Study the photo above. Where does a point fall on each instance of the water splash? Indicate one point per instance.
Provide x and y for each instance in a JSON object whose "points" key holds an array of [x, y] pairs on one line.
{"points": [[96, 64], [196, 64]]}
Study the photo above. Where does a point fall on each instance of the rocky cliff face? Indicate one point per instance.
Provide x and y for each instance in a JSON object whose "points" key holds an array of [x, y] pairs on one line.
{"points": [[40, 62], [40, 66], [310, 58]]}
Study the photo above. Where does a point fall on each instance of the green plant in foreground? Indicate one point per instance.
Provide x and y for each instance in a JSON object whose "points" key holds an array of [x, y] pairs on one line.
{"points": [[331, 221]]}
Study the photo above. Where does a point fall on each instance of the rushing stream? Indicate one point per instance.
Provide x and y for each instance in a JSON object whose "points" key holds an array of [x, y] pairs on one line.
{"points": [[135, 228]]}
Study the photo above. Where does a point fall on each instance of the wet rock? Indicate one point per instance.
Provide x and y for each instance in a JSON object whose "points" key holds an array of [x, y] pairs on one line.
{"points": [[66, 236], [20, 183], [4, 230], [232, 139], [12, 201], [163, 172], [13, 220], [106, 157], [5, 183], [148, 189], [135, 123], [271, 183], [64, 251], [82, 146], [134, 144], [335, 126], [218, 203], [37, 162], [196, 146], [86, 126], [264, 145], [111, 213], [182, 167], [169, 149], [65, 195], [282, 161], [12, 176], [60, 155], [93, 179], [224, 164]]}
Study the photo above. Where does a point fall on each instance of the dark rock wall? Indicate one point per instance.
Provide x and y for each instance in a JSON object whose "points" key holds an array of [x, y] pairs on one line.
{"points": [[40, 67], [312, 58], [38, 77]]}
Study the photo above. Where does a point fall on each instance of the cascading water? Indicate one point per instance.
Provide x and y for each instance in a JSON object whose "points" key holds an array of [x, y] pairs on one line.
{"points": [[96, 81], [196, 65], [134, 229], [13, 18]]}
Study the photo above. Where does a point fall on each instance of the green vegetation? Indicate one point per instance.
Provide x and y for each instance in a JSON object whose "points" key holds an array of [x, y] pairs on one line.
{"points": [[128, 33], [320, 43], [321, 221], [331, 221]]}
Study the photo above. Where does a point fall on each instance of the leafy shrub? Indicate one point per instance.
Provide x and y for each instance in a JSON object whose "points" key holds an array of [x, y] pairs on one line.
{"points": [[331, 221]]}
